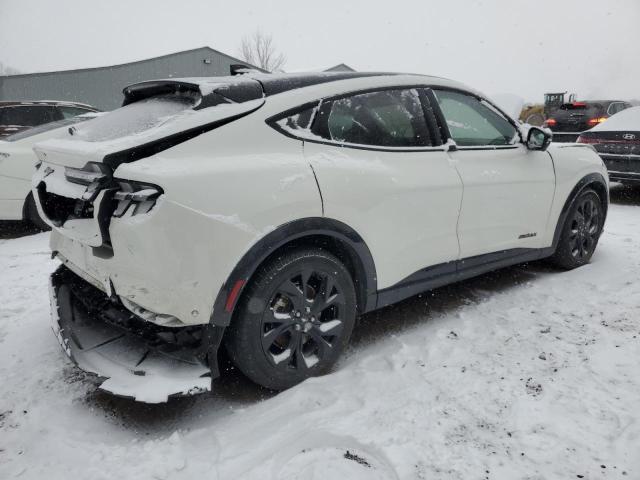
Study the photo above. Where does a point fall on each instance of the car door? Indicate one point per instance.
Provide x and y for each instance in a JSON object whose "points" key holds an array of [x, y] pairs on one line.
{"points": [[508, 189], [382, 169]]}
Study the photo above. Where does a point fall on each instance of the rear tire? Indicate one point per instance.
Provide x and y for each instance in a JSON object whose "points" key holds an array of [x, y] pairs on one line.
{"points": [[31, 214], [580, 232], [294, 319]]}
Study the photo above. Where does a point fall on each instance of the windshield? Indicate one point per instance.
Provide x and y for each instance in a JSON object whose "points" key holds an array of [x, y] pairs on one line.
{"points": [[48, 127]]}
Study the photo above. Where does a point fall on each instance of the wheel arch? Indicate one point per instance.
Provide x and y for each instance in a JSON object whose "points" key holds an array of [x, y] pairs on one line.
{"points": [[334, 236], [25, 206], [593, 180]]}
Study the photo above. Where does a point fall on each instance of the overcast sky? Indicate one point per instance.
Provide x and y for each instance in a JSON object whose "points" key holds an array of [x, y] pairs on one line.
{"points": [[591, 47]]}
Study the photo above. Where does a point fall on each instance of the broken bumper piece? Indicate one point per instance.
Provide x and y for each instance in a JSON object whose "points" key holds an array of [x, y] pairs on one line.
{"points": [[131, 357]]}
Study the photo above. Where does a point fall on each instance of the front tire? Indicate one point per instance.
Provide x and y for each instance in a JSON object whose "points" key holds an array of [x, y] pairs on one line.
{"points": [[294, 320], [580, 232]]}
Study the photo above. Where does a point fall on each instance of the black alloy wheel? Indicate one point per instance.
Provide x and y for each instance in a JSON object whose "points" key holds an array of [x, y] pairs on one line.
{"points": [[294, 320], [585, 228], [581, 231]]}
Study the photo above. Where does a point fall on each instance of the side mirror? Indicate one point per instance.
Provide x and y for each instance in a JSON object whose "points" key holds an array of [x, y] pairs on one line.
{"points": [[538, 139]]}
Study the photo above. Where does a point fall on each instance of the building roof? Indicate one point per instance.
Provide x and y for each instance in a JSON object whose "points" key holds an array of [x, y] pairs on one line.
{"points": [[146, 60], [341, 67]]}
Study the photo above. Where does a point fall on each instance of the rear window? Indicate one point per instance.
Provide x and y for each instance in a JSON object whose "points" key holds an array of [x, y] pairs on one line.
{"points": [[27, 115], [581, 106], [574, 106], [135, 118], [47, 127]]}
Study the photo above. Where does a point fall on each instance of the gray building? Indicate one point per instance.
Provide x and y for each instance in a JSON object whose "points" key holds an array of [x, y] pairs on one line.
{"points": [[102, 87]]}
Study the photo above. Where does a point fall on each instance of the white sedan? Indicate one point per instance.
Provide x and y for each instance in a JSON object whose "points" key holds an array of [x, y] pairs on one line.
{"points": [[266, 212], [17, 166]]}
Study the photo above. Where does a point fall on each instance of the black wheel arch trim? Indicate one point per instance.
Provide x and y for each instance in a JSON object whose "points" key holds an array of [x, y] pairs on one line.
{"points": [[583, 183], [365, 280], [25, 206]]}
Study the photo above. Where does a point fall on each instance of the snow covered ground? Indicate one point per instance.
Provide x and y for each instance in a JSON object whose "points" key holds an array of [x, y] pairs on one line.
{"points": [[527, 373]]}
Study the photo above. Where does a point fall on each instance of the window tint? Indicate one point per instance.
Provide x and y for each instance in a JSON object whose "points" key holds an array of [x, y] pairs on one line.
{"points": [[473, 122], [134, 118], [26, 115], [46, 127], [616, 107], [298, 123], [69, 112], [390, 118]]}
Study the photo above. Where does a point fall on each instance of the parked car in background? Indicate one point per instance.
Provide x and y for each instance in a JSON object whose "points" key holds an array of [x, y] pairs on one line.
{"points": [[571, 119], [17, 166], [18, 116], [618, 142], [265, 212]]}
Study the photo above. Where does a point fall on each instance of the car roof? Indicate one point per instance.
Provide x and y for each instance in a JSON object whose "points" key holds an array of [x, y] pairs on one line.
{"points": [[252, 85]]}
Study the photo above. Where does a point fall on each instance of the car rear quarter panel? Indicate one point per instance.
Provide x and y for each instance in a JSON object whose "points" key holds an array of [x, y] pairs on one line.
{"points": [[223, 191], [17, 164]]}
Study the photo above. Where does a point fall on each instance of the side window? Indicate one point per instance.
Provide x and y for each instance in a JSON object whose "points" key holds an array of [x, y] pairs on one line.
{"points": [[473, 122], [389, 118], [69, 112], [616, 107], [26, 115], [298, 123]]}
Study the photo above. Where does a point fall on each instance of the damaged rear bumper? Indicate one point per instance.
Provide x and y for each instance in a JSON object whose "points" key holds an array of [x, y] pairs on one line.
{"points": [[131, 357]]}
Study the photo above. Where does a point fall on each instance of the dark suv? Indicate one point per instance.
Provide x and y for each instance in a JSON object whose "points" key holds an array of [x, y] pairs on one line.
{"points": [[571, 119], [18, 116]]}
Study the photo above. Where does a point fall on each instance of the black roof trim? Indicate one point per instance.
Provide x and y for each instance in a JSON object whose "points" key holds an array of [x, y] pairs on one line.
{"points": [[284, 83]]}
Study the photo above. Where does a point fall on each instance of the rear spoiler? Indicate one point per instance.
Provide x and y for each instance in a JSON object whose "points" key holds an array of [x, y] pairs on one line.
{"points": [[140, 91], [211, 90]]}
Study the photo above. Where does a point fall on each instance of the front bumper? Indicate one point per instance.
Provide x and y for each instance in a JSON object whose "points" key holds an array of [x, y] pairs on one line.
{"points": [[131, 357], [622, 168]]}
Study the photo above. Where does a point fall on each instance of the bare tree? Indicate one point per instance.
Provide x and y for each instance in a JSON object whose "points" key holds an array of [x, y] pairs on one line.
{"points": [[7, 70], [258, 49]]}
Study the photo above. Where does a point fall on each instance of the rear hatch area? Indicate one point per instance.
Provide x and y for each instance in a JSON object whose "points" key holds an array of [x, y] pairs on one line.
{"points": [[76, 187], [134, 352]]}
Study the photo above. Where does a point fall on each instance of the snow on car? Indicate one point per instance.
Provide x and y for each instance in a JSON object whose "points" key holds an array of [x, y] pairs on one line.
{"points": [[526, 373], [176, 236], [17, 165], [617, 140]]}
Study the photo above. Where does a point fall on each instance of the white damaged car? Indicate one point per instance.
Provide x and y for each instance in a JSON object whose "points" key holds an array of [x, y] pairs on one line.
{"points": [[264, 213], [17, 165]]}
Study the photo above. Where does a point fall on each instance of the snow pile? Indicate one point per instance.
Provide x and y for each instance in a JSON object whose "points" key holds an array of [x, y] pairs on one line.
{"points": [[528, 373]]}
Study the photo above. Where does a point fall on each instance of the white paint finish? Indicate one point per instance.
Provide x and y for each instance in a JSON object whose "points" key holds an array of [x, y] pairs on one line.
{"points": [[17, 166], [507, 193], [227, 188], [572, 162], [216, 206], [11, 209], [404, 204], [17, 163]]}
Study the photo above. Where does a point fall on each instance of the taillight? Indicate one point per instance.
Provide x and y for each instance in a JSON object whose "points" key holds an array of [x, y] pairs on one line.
{"points": [[140, 197], [550, 122], [589, 140], [596, 120]]}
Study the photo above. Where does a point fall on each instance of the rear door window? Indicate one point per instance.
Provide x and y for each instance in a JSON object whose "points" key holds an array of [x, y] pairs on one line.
{"points": [[27, 115], [388, 118], [473, 122]]}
